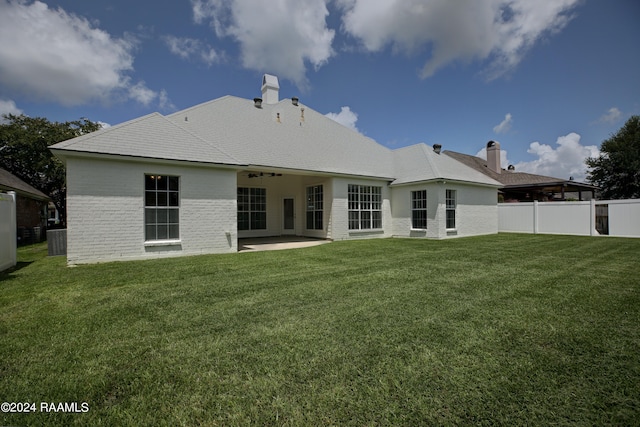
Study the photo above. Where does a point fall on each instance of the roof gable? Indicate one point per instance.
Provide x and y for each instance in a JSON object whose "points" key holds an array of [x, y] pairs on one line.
{"points": [[151, 136]]}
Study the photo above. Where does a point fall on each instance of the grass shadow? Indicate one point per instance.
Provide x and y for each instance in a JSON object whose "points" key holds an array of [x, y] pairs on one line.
{"points": [[8, 273]]}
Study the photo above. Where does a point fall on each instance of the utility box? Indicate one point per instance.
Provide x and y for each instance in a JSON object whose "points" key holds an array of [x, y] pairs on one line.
{"points": [[57, 242]]}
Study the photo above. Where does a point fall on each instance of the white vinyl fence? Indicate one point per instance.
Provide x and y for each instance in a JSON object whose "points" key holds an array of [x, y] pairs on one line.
{"points": [[8, 229], [593, 218]]}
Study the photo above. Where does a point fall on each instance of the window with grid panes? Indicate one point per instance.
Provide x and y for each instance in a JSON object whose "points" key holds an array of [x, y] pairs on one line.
{"points": [[314, 207], [161, 207], [451, 208], [364, 206], [252, 208], [419, 209]]}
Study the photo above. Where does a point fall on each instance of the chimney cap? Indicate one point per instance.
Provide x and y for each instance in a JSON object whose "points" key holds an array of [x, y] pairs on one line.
{"points": [[257, 102], [437, 148], [270, 80]]}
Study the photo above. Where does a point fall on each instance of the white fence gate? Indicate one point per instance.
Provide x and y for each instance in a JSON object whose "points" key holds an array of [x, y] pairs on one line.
{"points": [[597, 217], [8, 229]]}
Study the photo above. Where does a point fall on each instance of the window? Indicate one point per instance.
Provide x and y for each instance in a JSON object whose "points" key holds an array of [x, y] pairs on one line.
{"points": [[451, 208], [252, 208], [419, 209], [314, 207], [161, 207], [365, 207]]}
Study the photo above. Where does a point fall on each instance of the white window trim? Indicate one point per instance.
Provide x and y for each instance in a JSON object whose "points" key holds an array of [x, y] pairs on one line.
{"points": [[162, 242], [253, 212], [411, 209], [455, 210], [306, 225], [153, 243], [370, 210]]}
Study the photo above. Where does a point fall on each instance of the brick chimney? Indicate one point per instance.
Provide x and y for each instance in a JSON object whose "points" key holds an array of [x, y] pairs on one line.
{"points": [[493, 156]]}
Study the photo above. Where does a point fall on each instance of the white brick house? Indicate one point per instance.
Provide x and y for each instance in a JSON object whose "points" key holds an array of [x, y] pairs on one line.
{"points": [[197, 180]]}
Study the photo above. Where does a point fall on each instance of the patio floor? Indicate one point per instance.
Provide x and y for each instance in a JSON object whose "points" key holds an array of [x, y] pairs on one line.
{"points": [[278, 243]]}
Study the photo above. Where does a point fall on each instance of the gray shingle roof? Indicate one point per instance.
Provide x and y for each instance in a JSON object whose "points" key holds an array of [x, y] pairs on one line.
{"points": [[277, 135], [419, 162], [10, 182], [232, 131], [151, 136]]}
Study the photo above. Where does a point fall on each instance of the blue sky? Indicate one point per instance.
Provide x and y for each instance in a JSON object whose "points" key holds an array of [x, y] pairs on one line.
{"points": [[548, 79]]}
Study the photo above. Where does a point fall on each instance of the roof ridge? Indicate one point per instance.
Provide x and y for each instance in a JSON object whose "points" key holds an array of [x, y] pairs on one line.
{"points": [[202, 104]]}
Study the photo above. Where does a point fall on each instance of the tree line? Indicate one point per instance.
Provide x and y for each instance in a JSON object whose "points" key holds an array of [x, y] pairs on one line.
{"points": [[24, 151]]}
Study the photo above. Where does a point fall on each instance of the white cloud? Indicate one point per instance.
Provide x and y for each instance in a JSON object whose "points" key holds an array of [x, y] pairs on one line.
{"points": [[142, 94], [345, 117], [188, 48], [50, 55], [8, 106], [563, 161], [612, 115], [498, 31], [279, 37], [504, 125], [164, 102]]}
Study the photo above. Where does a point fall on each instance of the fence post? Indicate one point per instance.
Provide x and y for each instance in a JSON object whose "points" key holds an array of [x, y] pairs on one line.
{"points": [[535, 217], [592, 218], [13, 234]]}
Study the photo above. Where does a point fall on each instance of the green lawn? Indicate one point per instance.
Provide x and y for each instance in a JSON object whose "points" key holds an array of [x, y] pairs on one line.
{"points": [[495, 330]]}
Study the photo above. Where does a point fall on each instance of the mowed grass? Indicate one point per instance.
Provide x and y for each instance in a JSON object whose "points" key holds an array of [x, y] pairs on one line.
{"points": [[494, 330]]}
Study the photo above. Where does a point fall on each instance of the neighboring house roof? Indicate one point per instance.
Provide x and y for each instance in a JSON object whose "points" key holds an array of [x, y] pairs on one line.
{"points": [[284, 135], [10, 182], [410, 167], [514, 179]]}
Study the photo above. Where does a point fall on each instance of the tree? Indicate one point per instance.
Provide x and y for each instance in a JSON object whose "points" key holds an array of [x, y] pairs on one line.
{"points": [[617, 170], [24, 151]]}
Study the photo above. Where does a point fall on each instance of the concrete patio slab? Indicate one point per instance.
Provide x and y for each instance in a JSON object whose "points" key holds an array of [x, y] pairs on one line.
{"points": [[278, 243]]}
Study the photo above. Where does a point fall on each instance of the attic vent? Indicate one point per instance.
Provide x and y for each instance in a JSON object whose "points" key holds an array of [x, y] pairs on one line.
{"points": [[437, 148], [294, 101], [257, 102]]}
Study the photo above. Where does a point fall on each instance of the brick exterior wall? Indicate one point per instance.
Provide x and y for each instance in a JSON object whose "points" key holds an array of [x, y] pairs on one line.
{"points": [[340, 211], [105, 210], [476, 211]]}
